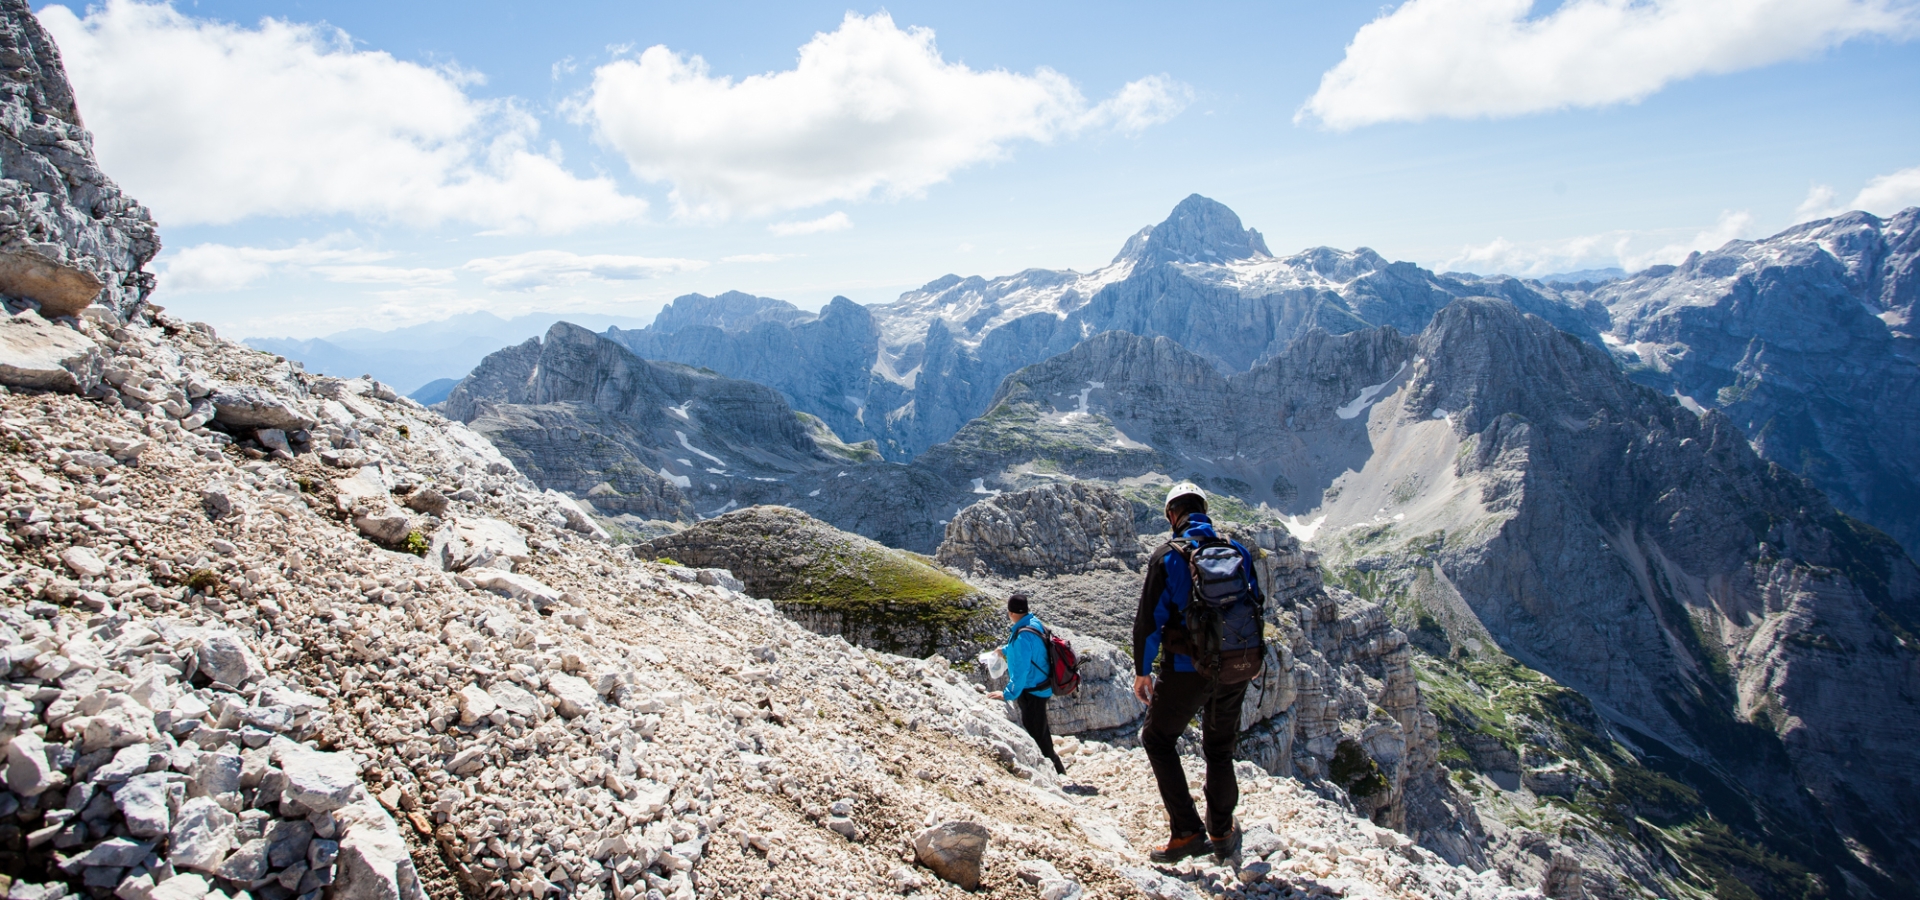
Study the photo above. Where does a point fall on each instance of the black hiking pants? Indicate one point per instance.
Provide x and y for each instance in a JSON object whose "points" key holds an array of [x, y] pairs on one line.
{"points": [[1176, 697], [1033, 717]]}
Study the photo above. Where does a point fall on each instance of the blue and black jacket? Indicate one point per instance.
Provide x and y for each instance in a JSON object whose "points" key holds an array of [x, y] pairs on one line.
{"points": [[1026, 660], [1163, 601]]}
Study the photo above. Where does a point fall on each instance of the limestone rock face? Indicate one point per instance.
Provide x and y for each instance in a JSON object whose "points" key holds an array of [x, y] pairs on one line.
{"points": [[68, 236], [1624, 545], [1060, 528]]}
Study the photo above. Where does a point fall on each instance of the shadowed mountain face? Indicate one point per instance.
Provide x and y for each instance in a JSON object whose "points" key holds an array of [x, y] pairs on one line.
{"points": [[911, 373], [1805, 341], [581, 414]]}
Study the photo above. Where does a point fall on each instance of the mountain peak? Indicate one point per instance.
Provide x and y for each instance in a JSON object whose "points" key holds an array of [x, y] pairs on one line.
{"points": [[1199, 229]]}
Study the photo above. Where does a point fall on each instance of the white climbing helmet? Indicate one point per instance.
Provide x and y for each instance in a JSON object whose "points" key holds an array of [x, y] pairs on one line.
{"points": [[1183, 489]]}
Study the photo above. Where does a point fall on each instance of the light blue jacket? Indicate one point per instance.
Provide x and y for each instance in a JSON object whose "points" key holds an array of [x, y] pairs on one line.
{"points": [[1026, 660]]}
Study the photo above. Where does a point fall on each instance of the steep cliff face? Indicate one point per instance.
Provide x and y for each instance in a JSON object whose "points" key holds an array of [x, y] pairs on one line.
{"points": [[819, 363], [68, 236], [1706, 600], [1806, 342]]}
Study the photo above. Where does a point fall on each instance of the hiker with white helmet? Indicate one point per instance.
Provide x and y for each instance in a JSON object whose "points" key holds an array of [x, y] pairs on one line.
{"points": [[1201, 604]]}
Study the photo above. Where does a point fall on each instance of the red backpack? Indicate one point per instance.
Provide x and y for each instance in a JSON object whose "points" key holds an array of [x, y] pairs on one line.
{"points": [[1063, 665]]}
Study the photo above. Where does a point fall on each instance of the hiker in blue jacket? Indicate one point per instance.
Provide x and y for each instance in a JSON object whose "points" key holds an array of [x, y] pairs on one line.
{"points": [[1181, 691], [1029, 675]]}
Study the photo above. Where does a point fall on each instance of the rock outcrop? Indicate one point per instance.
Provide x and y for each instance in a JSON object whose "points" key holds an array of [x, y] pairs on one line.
{"points": [[68, 237], [1056, 529], [838, 583]]}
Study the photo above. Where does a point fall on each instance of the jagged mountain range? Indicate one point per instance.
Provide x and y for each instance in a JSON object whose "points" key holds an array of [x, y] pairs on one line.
{"points": [[1803, 339], [910, 373]]}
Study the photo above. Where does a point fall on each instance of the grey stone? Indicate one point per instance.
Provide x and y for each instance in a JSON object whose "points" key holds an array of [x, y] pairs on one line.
{"points": [[127, 762], [373, 861], [217, 773], [120, 852], [143, 801], [518, 700], [576, 697], [247, 864], [251, 406], [225, 658], [320, 781], [37, 354], [28, 772], [202, 835]]}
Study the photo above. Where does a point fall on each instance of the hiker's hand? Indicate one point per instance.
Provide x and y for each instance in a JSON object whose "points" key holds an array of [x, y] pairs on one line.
{"points": [[1143, 688]]}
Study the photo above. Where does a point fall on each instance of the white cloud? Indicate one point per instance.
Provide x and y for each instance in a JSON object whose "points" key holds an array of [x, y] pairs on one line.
{"points": [[542, 269], [1629, 250], [1883, 195], [1889, 194], [836, 221], [209, 123], [868, 109], [384, 275], [1820, 203], [220, 267], [1474, 58]]}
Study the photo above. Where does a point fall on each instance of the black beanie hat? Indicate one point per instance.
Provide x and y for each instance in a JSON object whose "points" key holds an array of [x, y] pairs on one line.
{"points": [[1017, 603]]}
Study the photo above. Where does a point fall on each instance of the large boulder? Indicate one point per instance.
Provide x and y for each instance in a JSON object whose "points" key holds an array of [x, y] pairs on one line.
{"points": [[35, 353], [60, 289], [478, 543], [250, 406], [953, 851]]}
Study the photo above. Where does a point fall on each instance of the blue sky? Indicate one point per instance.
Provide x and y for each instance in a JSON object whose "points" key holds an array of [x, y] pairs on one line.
{"points": [[375, 165]]}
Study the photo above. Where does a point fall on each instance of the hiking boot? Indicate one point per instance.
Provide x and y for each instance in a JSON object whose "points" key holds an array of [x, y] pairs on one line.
{"points": [[1180, 848], [1225, 847]]}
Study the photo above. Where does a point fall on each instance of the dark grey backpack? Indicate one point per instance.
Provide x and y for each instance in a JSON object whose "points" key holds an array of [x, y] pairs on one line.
{"points": [[1226, 615]]}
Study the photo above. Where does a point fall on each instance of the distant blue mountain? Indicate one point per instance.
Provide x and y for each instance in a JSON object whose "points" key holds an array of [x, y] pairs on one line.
{"points": [[1597, 276], [410, 358], [435, 391]]}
